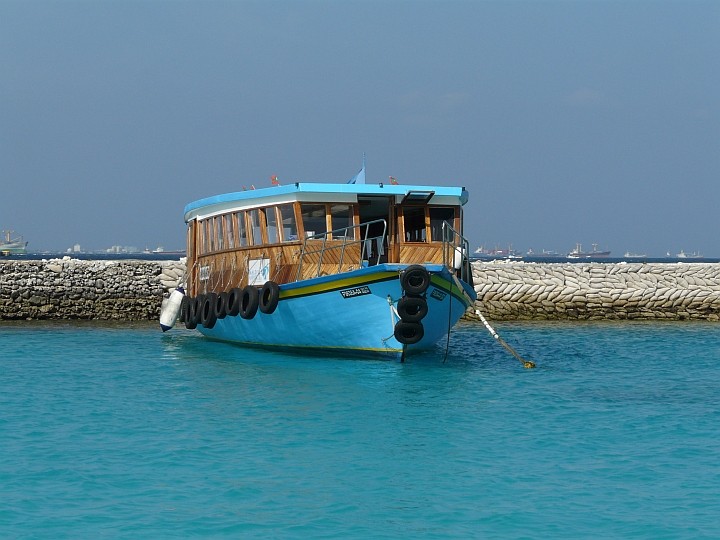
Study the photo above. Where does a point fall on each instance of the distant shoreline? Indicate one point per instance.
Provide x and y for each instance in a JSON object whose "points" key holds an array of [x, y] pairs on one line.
{"points": [[140, 256], [174, 256], [596, 260]]}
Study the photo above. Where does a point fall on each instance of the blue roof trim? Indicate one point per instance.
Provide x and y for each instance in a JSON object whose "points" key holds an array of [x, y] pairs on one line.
{"points": [[311, 187]]}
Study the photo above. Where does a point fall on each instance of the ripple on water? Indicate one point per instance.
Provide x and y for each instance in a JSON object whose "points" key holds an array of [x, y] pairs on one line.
{"points": [[123, 431]]}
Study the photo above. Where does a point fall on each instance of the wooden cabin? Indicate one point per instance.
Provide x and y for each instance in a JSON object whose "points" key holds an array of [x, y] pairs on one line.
{"points": [[301, 231]]}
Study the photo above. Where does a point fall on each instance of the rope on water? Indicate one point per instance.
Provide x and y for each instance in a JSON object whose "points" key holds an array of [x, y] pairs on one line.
{"points": [[526, 363]]}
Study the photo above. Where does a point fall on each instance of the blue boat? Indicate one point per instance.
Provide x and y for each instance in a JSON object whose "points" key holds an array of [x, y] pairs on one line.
{"points": [[370, 269]]}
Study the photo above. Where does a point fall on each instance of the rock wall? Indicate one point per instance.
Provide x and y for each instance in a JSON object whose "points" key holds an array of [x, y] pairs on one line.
{"points": [[134, 290], [588, 291], [76, 289]]}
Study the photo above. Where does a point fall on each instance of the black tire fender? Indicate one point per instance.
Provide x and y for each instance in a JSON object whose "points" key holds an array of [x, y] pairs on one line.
{"points": [[409, 333], [184, 309], [269, 296], [412, 308], [415, 279], [221, 305], [191, 317], [233, 301], [208, 317], [249, 302]]}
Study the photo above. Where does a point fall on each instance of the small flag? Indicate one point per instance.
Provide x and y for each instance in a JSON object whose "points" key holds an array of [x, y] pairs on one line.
{"points": [[359, 178], [393, 181], [274, 180]]}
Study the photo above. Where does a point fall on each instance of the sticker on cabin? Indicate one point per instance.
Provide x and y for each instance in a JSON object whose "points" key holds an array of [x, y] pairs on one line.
{"points": [[357, 291], [258, 271], [437, 294], [204, 273]]}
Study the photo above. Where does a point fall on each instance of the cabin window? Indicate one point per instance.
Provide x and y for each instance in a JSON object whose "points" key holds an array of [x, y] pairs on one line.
{"points": [[206, 226], [414, 219], [219, 236], [341, 216], [190, 242], [201, 236], [289, 226], [229, 226], [313, 218], [271, 224], [241, 229], [255, 227], [438, 216]]}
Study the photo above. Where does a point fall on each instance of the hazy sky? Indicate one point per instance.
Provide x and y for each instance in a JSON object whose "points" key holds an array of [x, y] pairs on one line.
{"points": [[586, 121]]}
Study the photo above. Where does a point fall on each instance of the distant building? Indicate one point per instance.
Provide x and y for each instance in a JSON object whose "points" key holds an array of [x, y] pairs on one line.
{"points": [[122, 249]]}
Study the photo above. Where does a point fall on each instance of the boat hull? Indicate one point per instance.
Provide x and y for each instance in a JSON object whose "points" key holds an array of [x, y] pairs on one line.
{"points": [[13, 248], [353, 312]]}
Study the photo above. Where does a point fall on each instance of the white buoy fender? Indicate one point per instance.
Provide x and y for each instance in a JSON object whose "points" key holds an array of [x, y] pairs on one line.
{"points": [[458, 257], [170, 309]]}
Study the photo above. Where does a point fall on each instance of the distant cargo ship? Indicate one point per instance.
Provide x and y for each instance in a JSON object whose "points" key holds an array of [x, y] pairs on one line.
{"points": [[12, 246], [693, 255], [544, 253], [578, 253], [162, 250], [497, 253]]}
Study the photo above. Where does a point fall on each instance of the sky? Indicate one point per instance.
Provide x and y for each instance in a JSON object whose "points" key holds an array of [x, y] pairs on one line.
{"points": [[567, 121]]}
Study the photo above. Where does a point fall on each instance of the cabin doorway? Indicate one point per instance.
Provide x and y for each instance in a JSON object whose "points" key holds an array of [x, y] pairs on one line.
{"points": [[373, 209]]}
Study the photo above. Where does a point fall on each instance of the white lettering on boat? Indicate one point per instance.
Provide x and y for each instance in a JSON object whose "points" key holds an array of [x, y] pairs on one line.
{"points": [[437, 294], [357, 291]]}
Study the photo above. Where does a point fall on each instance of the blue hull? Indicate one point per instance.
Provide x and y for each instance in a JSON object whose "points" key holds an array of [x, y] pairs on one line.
{"points": [[353, 312]]}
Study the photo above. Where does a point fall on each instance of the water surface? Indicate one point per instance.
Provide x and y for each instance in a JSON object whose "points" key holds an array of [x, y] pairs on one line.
{"points": [[122, 431]]}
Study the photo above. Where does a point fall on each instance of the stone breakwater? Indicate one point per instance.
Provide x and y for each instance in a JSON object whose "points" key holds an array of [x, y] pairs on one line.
{"points": [[77, 289], [134, 290], [593, 291]]}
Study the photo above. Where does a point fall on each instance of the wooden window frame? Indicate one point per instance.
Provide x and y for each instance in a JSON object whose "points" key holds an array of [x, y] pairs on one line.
{"points": [[278, 225], [455, 220], [241, 216], [219, 233], [293, 207], [426, 224], [328, 215], [261, 226]]}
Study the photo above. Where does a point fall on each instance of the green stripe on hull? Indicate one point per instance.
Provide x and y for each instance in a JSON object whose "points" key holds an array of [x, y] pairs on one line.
{"points": [[337, 285]]}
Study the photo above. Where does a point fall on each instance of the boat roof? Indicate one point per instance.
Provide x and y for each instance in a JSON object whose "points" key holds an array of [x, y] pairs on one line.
{"points": [[319, 192]]}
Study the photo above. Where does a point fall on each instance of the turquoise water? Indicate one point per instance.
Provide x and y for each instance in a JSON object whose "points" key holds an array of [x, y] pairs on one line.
{"points": [[124, 432]]}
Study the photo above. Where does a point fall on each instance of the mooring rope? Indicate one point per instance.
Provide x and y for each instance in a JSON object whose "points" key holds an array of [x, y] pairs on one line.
{"points": [[526, 363], [393, 314], [222, 274], [278, 258]]}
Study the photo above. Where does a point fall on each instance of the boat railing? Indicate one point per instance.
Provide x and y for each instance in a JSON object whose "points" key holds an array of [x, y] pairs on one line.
{"points": [[456, 251], [336, 246]]}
